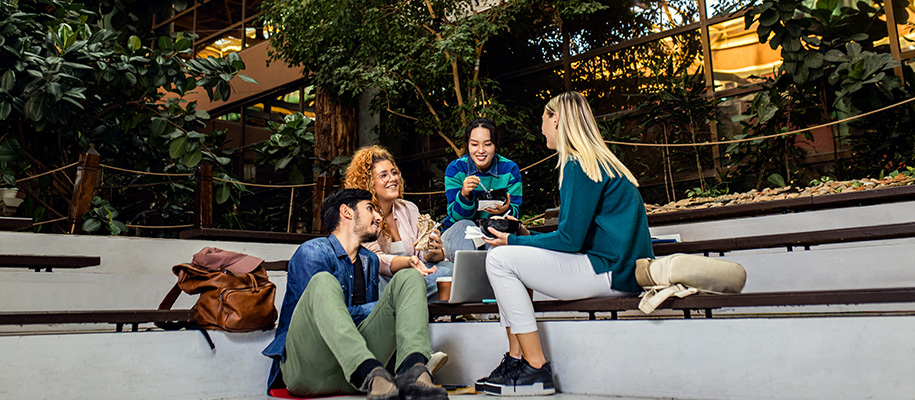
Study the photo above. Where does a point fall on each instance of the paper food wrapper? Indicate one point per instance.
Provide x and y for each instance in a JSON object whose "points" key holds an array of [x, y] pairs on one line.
{"points": [[484, 204], [475, 234], [424, 227]]}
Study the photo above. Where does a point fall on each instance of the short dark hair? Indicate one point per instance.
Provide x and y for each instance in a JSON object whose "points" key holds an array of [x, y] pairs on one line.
{"points": [[481, 123], [330, 208]]}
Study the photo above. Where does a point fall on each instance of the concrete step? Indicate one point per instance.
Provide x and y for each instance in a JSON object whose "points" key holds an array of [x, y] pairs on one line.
{"points": [[761, 358], [785, 358]]}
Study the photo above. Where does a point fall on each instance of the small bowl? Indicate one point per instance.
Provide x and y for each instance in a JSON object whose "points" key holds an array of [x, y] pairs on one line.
{"points": [[495, 194], [502, 225]]}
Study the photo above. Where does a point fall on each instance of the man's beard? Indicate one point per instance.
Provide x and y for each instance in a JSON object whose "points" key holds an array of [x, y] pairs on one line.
{"points": [[366, 236], [369, 237]]}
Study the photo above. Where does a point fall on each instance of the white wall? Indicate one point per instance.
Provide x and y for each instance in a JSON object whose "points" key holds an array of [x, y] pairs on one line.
{"points": [[763, 358], [135, 273], [892, 213]]}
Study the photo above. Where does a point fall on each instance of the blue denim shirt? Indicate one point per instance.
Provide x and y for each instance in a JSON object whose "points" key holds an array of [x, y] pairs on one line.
{"points": [[313, 256]]}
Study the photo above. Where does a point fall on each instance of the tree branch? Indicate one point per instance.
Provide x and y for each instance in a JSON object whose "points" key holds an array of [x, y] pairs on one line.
{"points": [[454, 68], [457, 150]]}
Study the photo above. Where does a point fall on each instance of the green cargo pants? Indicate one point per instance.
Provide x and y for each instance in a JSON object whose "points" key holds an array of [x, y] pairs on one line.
{"points": [[324, 347]]}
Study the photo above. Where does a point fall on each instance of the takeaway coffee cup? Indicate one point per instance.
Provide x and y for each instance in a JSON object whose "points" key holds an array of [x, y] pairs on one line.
{"points": [[444, 287]]}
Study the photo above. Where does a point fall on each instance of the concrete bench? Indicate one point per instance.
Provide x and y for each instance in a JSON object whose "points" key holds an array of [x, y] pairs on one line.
{"points": [[37, 262], [233, 235], [118, 317], [705, 302]]}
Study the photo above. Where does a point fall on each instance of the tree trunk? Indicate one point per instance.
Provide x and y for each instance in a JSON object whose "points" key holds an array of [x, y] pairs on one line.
{"points": [[335, 135], [335, 127]]}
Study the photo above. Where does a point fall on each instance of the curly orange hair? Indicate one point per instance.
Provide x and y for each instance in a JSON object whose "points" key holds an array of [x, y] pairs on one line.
{"points": [[360, 174]]}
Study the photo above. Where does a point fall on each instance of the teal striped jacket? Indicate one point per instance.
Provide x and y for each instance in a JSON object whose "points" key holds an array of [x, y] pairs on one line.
{"points": [[502, 174]]}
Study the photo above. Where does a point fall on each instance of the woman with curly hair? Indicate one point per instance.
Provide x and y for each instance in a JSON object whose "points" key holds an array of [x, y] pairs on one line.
{"points": [[373, 169]]}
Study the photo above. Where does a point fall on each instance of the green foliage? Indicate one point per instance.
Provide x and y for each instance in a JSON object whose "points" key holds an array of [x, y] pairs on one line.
{"points": [[819, 181], [865, 79], [677, 111], [777, 180], [832, 68], [102, 214], [711, 191], [290, 147], [421, 57], [70, 79], [7, 176]]}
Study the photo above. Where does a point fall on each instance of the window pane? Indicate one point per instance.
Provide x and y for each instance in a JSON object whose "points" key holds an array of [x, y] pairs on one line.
{"points": [[528, 94], [229, 42], [737, 55], [528, 42], [614, 82], [718, 7], [907, 30]]}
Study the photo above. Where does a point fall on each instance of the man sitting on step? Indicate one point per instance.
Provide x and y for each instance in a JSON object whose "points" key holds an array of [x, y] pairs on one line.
{"points": [[335, 333]]}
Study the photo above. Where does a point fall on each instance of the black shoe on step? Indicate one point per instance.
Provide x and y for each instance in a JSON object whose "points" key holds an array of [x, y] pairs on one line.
{"points": [[508, 363], [523, 381]]}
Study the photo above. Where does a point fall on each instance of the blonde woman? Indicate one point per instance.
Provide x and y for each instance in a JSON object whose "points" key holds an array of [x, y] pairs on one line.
{"points": [[373, 169], [602, 231]]}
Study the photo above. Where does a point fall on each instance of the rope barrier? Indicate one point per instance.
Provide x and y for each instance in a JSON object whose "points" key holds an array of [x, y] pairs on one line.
{"points": [[265, 185], [538, 162], [142, 172], [45, 173], [533, 218], [159, 227], [49, 222], [794, 132], [423, 193]]}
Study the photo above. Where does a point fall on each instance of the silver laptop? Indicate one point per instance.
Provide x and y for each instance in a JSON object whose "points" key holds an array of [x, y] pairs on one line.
{"points": [[469, 283]]}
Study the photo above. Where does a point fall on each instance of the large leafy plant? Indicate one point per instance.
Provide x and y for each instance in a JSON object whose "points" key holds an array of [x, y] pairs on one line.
{"points": [[832, 68], [69, 79]]}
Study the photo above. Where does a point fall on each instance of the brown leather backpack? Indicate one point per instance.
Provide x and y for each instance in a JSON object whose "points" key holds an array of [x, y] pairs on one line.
{"points": [[228, 301]]}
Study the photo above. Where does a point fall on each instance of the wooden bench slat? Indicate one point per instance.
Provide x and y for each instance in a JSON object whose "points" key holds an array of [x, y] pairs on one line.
{"points": [[95, 316], [845, 199], [810, 238], [247, 236], [14, 223], [40, 261], [799, 298]]}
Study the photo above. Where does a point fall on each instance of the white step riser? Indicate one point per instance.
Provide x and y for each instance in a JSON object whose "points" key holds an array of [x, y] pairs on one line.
{"points": [[791, 358], [881, 214], [810, 358]]}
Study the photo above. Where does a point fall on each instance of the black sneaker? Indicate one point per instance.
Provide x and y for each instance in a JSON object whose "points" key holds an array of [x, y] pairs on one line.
{"points": [[523, 381], [508, 363]]}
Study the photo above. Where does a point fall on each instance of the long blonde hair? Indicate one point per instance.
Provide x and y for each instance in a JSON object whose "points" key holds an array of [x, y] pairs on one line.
{"points": [[360, 174], [580, 138]]}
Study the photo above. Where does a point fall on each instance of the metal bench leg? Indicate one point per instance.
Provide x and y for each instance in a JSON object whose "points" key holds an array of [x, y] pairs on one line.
{"points": [[708, 313], [135, 327], [614, 315], [119, 327], [686, 314], [592, 315]]}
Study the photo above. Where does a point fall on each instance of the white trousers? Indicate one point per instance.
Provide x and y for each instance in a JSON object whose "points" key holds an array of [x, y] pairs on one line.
{"points": [[564, 276]]}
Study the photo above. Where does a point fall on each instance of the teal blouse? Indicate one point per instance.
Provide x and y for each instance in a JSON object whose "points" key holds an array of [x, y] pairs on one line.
{"points": [[605, 220]]}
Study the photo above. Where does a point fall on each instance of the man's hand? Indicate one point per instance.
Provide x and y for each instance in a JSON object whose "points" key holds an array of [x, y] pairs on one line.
{"points": [[436, 250], [470, 184], [501, 210]]}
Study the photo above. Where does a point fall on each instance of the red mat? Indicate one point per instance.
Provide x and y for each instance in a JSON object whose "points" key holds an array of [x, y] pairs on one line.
{"points": [[284, 394]]}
